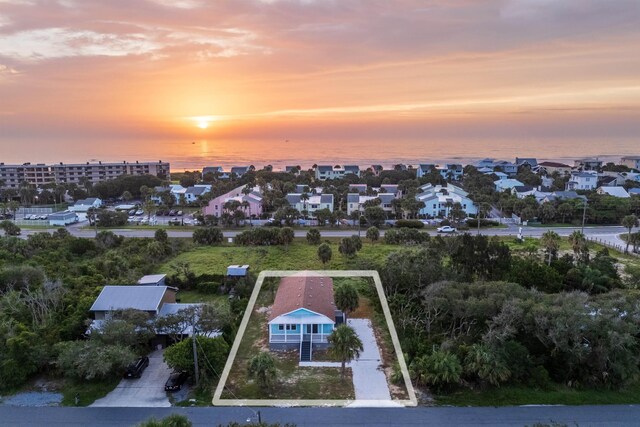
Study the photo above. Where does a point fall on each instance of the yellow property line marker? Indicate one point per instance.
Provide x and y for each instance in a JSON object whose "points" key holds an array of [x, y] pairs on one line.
{"points": [[217, 396]]}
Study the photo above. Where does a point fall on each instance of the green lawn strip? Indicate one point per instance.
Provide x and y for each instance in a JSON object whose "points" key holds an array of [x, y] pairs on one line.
{"points": [[87, 391], [298, 256], [188, 297], [520, 395]]}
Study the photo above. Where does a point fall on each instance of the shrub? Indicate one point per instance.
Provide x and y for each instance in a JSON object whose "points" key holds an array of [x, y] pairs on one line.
{"points": [[325, 253], [439, 369], [409, 223], [208, 236], [313, 236], [259, 237], [405, 236], [208, 287], [10, 229], [373, 234]]}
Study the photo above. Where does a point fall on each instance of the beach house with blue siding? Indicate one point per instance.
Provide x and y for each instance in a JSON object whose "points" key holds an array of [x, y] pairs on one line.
{"points": [[303, 315]]}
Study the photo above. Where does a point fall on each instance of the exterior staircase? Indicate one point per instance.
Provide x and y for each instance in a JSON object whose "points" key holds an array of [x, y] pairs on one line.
{"points": [[305, 351]]}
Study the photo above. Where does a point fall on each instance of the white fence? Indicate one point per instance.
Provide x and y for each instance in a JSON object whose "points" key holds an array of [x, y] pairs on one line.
{"points": [[36, 211], [32, 222]]}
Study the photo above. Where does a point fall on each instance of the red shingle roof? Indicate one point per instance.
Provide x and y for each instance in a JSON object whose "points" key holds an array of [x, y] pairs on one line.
{"points": [[312, 293]]}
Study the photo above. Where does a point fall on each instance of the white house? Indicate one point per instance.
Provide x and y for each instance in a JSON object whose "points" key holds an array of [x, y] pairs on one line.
{"points": [[522, 191], [614, 191], [439, 200], [356, 201], [324, 172], [587, 180], [506, 184], [313, 203], [192, 193], [86, 204]]}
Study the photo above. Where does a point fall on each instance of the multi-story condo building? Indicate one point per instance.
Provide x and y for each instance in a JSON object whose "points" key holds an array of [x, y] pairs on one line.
{"points": [[40, 174], [438, 200], [631, 161]]}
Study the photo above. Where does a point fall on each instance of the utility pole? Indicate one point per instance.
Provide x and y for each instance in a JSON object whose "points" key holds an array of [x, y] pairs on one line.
{"points": [[195, 356], [584, 213]]}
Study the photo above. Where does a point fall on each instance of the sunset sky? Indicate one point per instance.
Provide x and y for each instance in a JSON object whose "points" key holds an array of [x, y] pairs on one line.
{"points": [[83, 70]]}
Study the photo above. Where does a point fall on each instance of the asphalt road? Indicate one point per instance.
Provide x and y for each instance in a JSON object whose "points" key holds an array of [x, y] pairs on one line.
{"points": [[604, 232], [614, 415]]}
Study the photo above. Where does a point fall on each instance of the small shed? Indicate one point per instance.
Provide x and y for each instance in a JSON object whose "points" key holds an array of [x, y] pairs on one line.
{"points": [[61, 219], [153, 280], [237, 270]]}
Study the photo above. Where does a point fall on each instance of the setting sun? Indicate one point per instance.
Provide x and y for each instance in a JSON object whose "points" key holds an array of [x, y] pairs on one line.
{"points": [[203, 122]]}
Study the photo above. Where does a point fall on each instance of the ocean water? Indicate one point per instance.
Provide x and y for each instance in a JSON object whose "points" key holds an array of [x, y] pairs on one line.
{"points": [[195, 154]]}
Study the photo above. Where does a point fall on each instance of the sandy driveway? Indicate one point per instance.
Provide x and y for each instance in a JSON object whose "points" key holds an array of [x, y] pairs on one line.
{"points": [[147, 391]]}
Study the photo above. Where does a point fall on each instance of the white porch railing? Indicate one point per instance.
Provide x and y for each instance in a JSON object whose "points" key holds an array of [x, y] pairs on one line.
{"points": [[285, 338]]}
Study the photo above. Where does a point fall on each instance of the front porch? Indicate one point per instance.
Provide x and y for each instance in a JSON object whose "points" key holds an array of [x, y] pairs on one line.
{"points": [[305, 337]]}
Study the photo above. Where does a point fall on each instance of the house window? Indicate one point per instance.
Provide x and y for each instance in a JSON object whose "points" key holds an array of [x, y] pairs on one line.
{"points": [[281, 327], [291, 327]]}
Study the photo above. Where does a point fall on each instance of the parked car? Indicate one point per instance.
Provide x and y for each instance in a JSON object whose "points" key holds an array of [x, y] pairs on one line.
{"points": [[446, 229], [175, 381], [132, 212], [172, 213], [179, 213], [136, 369]]}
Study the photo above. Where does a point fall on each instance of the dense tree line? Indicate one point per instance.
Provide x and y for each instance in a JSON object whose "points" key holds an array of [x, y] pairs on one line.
{"points": [[468, 311]]}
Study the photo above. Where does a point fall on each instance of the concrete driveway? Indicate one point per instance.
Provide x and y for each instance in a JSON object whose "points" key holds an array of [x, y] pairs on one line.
{"points": [[147, 391]]}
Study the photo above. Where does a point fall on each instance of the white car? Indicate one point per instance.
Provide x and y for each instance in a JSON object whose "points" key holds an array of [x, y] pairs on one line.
{"points": [[446, 229]]}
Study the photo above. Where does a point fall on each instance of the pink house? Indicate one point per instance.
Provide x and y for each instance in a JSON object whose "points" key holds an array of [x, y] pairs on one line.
{"points": [[216, 206]]}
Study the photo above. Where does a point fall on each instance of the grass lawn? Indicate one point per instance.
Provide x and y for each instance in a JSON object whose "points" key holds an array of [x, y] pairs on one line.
{"points": [[512, 395], [87, 391], [293, 382], [195, 296], [298, 256]]}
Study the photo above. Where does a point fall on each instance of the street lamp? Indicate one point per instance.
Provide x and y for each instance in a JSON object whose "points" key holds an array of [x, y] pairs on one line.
{"points": [[584, 213]]}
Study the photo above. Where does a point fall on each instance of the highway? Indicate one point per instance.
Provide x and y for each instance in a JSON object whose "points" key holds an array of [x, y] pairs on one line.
{"points": [[614, 415]]}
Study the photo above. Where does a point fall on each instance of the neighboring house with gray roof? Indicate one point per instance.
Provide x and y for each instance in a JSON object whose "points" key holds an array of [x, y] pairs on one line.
{"points": [[439, 199], [85, 204], [619, 192], [324, 172], [356, 201], [157, 301], [153, 280], [313, 203]]}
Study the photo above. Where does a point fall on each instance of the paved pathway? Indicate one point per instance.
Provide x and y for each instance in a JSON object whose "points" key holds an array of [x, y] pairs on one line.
{"points": [[147, 391], [369, 381]]}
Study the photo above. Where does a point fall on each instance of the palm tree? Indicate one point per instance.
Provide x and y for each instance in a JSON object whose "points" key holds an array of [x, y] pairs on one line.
{"points": [[149, 207], [629, 222], [551, 242], [345, 345], [262, 367], [578, 243], [304, 197], [346, 298]]}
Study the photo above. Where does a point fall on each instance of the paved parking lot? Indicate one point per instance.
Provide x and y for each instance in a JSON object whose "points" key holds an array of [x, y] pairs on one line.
{"points": [[147, 391]]}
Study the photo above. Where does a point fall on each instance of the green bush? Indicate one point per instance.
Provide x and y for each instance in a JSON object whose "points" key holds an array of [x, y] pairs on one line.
{"points": [[208, 287], [409, 223]]}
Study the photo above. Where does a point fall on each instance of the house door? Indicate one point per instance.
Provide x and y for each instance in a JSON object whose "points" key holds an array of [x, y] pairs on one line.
{"points": [[311, 329]]}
